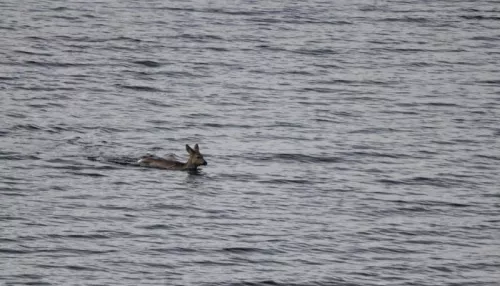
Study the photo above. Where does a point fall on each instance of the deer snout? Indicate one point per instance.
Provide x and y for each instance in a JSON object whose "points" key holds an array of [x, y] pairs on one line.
{"points": [[205, 163]]}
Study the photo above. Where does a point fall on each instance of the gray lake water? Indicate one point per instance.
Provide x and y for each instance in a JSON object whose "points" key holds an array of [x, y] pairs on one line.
{"points": [[348, 142]]}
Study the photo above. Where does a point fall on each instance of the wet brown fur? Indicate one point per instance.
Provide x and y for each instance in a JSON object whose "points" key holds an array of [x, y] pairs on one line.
{"points": [[195, 160]]}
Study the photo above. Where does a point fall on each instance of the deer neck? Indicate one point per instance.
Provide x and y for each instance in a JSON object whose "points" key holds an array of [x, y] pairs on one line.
{"points": [[189, 166]]}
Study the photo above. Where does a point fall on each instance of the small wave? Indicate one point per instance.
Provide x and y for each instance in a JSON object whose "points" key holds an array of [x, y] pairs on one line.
{"points": [[17, 156], [201, 38], [316, 22], [420, 64], [318, 90], [186, 9], [80, 236], [490, 81], [443, 182], [13, 251], [155, 226], [376, 154], [36, 38], [217, 49], [60, 8], [326, 120], [420, 206], [162, 266], [151, 64], [298, 72], [255, 283], [9, 192], [484, 38], [181, 250], [140, 88], [177, 74], [55, 64], [295, 158], [124, 38], [315, 51], [490, 157], [29, 127], [445, 104], [441, 203], [338, 282], [441, 269], [94, 175], [165, 206], [229, 125], [480, 17], [156, 103], [158, 121], [7, 28], [388, 250], [406, 19], [240, 249], [286, 181], [37, 53], [245, 250], [69, 267], [65, 17], [234, 13], [374, 130], [403, 50], [5, 78]]}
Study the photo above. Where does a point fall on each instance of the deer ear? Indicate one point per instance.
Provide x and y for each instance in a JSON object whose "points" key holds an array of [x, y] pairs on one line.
{"points": [[196, 148], [190, 151]]}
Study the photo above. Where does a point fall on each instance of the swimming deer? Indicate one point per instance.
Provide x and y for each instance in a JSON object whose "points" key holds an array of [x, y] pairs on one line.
{"points": [[195, 160]]}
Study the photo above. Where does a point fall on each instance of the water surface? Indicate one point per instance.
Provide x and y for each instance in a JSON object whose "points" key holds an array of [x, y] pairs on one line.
{"points": [[348, 142]]}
